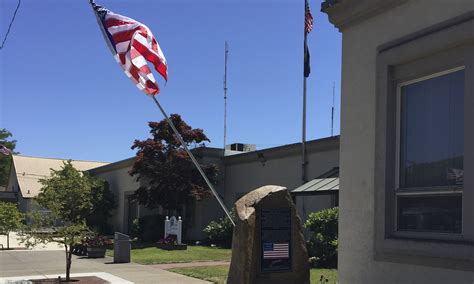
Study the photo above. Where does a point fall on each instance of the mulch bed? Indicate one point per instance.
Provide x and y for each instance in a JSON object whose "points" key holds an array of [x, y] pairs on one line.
{"points": [[75, 280]]}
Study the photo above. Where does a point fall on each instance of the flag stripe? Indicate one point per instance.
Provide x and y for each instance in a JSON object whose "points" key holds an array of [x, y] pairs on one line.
{"points": [[134, 45]]}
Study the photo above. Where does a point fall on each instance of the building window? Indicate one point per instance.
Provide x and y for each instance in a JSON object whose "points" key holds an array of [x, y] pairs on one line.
{"points": [[431, 153]]}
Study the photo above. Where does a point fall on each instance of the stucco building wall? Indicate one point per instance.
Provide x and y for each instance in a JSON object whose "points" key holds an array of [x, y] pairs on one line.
{"points": [[360, 41], [121, 184], [246, 172]]}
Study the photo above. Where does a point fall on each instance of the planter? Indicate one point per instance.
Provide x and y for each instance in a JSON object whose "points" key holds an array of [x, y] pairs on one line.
{"points": [[172, 246], [95, 252]]}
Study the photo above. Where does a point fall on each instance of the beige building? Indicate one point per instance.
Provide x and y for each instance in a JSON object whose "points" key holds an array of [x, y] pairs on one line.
{"points": [[25, 173], [406, 213], [239, 173]]}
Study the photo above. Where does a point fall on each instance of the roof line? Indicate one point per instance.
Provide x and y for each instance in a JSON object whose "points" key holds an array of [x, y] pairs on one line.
{"points": [[62, 159]]}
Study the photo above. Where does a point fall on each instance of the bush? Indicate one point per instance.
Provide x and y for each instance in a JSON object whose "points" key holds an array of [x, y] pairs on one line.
{"points": [[220, 232], [323, 242], [149, 228]]}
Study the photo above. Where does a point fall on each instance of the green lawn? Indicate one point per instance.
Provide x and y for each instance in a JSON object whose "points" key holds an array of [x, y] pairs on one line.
{"points": [[214, 274], [153, 255], [218, 274]]}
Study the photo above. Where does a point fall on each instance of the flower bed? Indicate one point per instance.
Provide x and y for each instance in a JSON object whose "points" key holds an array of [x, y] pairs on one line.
{"points": [[96, 246], [170, 243]]}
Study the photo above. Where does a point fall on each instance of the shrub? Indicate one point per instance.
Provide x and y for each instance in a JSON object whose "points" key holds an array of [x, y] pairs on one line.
{"points": [[96, 241], [149, 228], [323, 242], [220, 232]]}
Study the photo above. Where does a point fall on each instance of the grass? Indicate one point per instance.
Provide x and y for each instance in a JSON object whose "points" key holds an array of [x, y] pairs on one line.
{"points": [[218, 274], [153, 255], [329, 274], [214, 274]]}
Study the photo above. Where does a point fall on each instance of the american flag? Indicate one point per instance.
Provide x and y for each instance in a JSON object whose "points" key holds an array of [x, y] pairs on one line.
{"points": [[4, 150], [276, 250], [132, 44], [308, 19]]}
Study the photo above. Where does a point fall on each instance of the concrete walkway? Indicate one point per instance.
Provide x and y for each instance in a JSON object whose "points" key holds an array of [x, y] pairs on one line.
{"points": [[190, 264], [15, 243], [28, 263]]}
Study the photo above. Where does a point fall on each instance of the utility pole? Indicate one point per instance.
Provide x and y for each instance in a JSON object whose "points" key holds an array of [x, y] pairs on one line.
{"points": [[225, 92]]}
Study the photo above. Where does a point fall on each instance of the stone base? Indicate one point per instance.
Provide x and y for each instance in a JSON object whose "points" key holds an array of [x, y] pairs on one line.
{"points": [[247, 265], [172, 247]]}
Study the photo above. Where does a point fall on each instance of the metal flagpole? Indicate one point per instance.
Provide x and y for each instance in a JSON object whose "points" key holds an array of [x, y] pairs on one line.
{"points": [[332, 109], [193, 159], [303, 138]]}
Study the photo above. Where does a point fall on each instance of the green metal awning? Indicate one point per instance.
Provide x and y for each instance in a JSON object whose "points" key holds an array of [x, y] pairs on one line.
{"points": [[327, 183]]}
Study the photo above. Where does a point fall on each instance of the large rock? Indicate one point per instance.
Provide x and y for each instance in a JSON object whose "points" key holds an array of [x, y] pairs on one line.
{"points": [[248, 264]]}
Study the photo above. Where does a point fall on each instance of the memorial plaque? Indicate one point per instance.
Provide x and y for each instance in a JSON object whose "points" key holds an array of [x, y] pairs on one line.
{"points": [[173, 228], [275, 229]]}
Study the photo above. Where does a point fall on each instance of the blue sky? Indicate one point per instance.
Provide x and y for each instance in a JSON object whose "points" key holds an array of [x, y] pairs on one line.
{"points": [[63, 95]]}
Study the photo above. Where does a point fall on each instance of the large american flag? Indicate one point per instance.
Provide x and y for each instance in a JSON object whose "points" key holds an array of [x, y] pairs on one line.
{"points": [[132, 44], [276, 250]]}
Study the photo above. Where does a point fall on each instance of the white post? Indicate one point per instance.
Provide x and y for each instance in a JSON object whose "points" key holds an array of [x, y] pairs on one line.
{"points": [[167, 226], [180, 225]]}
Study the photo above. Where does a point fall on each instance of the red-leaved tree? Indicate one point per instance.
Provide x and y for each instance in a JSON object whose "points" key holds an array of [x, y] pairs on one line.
{"points": [[166, 173]]}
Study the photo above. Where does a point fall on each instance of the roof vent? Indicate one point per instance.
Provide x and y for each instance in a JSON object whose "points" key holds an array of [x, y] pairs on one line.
{"points": [[240, 147]]}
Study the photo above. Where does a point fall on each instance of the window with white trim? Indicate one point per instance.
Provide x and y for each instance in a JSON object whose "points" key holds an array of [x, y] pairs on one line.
{"points": [[430, 154]]}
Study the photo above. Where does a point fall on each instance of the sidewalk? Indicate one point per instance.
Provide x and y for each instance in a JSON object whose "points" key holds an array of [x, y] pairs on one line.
{"points": [[15, 244], [29, 263]]}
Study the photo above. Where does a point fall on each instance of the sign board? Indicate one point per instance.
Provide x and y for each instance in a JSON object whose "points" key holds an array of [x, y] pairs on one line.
{"points": [[275, 232], [173, 229], [173, 226]]}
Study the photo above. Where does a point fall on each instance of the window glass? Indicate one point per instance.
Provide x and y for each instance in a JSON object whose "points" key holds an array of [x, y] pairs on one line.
{"points": [[431, 132], [441, 214]]}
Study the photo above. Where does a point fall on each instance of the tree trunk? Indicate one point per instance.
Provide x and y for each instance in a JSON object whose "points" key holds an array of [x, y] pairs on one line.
{"points": [[8, 240], [68, 262]]}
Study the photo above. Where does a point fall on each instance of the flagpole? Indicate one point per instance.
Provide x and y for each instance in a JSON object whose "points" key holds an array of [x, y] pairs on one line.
{"points": [[303, 138], [193, 159]]}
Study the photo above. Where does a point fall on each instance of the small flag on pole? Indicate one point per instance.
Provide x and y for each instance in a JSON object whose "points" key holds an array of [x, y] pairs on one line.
{"points": [[132, 44], [308, 23], [4, 150], [455, 174]]}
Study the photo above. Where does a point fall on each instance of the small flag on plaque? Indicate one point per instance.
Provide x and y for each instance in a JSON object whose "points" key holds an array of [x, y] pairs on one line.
{"points": [[276, 250]]}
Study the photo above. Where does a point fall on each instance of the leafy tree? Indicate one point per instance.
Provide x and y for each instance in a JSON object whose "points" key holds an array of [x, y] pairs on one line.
{"points": [[167, 175], [323, 243], [11, 219], [72, 198], [5, 161]]}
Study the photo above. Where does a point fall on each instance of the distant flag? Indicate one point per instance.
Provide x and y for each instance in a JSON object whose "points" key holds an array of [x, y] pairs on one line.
{"points": [[4, 150], [132, 44], [308, 26], [308, 20], [455, 174]]}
